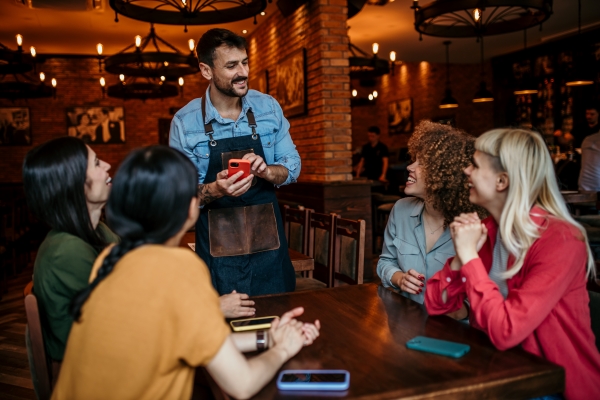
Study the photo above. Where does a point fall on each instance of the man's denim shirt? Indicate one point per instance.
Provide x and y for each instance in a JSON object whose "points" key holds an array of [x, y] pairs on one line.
{"points": [[187, 132]]}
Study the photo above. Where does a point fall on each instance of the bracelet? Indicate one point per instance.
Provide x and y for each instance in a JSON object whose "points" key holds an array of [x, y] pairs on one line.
{"points": [[261, 341]]}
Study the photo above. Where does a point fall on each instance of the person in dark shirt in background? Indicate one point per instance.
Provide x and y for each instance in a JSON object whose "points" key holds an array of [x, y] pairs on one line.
{"points": [[374, 158], [591, 127]]}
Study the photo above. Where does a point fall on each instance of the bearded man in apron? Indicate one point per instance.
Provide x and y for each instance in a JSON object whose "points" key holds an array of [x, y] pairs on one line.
{"points": [[240, 232]]}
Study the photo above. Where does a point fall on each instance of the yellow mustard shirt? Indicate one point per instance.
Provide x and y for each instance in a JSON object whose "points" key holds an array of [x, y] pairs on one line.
{"points": [[144, 329]]}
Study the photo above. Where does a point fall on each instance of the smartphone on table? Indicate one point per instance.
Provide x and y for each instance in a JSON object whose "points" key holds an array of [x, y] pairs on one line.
{"points": [[236, 165], [313, 379], [437, 346], [251, 324]]}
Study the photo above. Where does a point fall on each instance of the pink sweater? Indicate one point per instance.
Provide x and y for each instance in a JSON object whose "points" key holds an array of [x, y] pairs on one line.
{"points": [[547, 307]]}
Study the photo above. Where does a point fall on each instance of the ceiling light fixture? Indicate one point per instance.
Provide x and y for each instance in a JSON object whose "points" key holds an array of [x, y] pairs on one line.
{"points": [[526, 86], [448, 101], [475, 18], [366, 68], [140, 60], [581, 74], [190, 12], [482, 95], [131, 88]]}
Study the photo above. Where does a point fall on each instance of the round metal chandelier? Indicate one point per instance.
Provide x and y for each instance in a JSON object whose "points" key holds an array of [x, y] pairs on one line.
{"points": [[150, 88], [136, 60], [477, 18], [364, 67], [188, 12]]}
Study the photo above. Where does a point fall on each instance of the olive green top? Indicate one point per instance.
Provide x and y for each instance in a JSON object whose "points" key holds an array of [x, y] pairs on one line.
{"points": [[62, 268]]}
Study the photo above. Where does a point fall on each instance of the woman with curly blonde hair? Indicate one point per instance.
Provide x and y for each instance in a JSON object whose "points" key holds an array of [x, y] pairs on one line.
{"points": [[524, 268], [417, 241]]}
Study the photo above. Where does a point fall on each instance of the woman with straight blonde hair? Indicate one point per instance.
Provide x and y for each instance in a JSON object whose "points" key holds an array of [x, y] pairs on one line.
{"points": [[524, 268]]}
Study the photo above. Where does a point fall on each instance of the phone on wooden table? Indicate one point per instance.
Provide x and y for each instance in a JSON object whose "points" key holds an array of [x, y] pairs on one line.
{"points": [[313, 379], [236, 165], [251, 324], [437, 346]]}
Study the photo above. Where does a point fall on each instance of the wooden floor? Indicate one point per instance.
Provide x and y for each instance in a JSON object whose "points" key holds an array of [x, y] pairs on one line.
{"points": [[15, 380]]}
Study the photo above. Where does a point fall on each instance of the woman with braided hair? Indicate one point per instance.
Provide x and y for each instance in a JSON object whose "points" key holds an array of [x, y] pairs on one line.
{"points": [[150, 315], [417, 240]]}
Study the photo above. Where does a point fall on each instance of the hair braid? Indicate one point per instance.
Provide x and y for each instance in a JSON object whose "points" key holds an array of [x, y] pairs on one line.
{"points": [[108, 264]]}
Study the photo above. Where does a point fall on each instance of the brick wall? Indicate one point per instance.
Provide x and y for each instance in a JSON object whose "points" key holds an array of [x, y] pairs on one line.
{"points": [[425, 83], [323, 136], [78, 86]]}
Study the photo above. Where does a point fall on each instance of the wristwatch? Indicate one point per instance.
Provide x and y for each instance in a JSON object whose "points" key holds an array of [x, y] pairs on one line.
{"points": [[261, 341]]}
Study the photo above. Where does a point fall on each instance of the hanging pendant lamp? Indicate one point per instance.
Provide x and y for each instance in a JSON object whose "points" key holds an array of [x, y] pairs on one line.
{"points": [[581, 74], [483, 95], [448, 101], [526, 86]]}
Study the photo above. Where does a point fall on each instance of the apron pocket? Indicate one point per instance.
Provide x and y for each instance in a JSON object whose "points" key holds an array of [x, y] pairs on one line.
{"points": [[242, 230]]}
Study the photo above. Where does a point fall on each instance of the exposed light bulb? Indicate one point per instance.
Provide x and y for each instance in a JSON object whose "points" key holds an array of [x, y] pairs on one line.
{"points": [[42, 76], [53, 82], [162, 78], [375, 48], [122, 78], [138, 41], [32, 51], [477, 14], [166, 63], [244, 31], [99, 48], [263, 13], [19, 40], [371, 97], [180, 81], [191, 44], [354, 93], [375, 94], [102, 82], [184, 2], [392, 56]]}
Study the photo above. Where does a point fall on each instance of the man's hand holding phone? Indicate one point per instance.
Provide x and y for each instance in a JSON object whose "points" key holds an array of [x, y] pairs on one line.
{"points": [[227, 186]]}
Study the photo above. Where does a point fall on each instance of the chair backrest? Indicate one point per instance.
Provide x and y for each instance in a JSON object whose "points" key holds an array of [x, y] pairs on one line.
{"points": [[39, 365], [321, 235], [349, 251], [296, 226]]}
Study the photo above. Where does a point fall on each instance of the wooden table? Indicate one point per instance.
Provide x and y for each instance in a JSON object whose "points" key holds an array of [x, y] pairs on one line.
{"points": [[301, 262], [364, 330]]}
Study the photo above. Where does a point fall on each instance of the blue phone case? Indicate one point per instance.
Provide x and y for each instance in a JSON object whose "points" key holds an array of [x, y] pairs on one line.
{"points": [[436, 346], [305, 383]]}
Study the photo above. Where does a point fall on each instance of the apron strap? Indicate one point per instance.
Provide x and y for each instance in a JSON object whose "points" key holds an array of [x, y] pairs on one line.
{"points": [[208, 129]]}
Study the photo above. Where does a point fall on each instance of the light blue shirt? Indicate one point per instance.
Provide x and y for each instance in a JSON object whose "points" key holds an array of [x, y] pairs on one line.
{"points": [[404, 246], [188, 136]]}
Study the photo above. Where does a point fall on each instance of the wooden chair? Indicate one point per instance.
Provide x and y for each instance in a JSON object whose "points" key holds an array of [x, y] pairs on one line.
{"points": [[349, 252], [296, 227], [39, 363], [321, 235]]}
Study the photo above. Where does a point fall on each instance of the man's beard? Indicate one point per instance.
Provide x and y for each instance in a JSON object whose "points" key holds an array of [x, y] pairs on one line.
{"points": [[229, 90]]}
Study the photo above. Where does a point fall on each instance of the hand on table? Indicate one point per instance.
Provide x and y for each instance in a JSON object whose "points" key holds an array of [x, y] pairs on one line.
{"points": [[234, 305], [410, 282]]}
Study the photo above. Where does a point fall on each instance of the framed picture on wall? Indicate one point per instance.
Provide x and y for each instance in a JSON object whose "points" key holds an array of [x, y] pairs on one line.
{"points": [[97, 125], [262, 82], [15, 128], [400, 117], [291, 84]]}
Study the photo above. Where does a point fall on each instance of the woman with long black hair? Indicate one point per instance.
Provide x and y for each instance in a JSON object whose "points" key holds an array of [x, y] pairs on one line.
{"points": [[150, 314], [66, 187]]}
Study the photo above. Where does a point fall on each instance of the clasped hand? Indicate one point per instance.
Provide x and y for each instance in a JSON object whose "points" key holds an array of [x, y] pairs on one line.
{"points": [[290, 334], [468, 235]]}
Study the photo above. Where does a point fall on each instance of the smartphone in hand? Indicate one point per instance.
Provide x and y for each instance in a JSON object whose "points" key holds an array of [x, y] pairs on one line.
{"points": [[236, 165], [313, 379]]}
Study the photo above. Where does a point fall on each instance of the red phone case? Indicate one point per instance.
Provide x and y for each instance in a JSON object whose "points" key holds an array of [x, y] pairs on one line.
{"points": [[242, 165]]}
